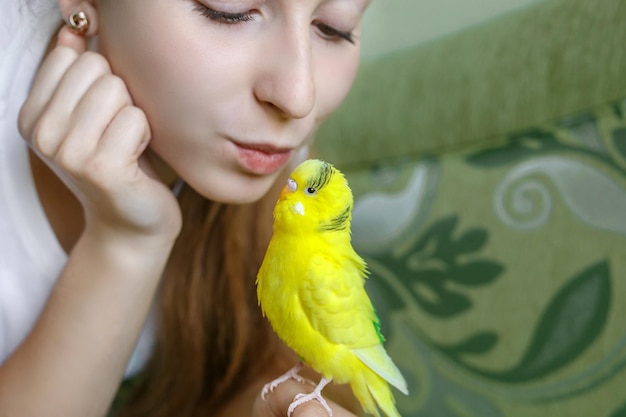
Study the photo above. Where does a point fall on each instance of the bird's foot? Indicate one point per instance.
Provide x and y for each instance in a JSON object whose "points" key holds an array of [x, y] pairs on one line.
{"points": [[290, 374], [300, 399]]}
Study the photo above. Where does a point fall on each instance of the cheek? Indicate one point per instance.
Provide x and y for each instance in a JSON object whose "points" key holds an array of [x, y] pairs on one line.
{"points": [[168, 64], [336, 76], [142, 57]]}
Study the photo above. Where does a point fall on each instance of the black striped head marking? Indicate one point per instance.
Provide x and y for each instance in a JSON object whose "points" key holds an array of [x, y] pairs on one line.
{"points": [[341, 222], [321, 178], [319, 196]]}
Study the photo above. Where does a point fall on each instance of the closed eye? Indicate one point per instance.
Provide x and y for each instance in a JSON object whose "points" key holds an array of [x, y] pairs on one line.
{"points": [[334, 34], [223, 17]]}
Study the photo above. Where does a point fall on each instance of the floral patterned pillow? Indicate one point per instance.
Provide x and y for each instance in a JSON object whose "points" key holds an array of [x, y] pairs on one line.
{"points": [[499, 271]]}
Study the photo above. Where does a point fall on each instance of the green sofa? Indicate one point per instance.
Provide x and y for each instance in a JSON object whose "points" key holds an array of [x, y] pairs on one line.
{"points": [[489, 171]]}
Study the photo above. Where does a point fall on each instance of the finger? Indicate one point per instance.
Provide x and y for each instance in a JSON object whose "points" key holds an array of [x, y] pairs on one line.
{"points": [[66, 37], [69, 47], [90, 119], [79, 77], [54, 121], [125, 138], [280, 399], [316, 409], [44, 85]]}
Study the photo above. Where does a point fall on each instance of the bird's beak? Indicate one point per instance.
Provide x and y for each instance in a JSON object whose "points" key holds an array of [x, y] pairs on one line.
{"points": [[289, 188], [284, 193]]}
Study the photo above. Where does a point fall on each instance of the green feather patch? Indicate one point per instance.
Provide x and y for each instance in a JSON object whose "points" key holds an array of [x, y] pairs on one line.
{"points": [[378, 330]]}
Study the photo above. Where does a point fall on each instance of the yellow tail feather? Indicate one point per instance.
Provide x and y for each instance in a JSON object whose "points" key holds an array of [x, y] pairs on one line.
{"points": [[374, 393]]}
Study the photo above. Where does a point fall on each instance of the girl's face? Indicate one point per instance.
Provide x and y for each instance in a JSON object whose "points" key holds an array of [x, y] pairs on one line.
{"points": [[232, 88]]}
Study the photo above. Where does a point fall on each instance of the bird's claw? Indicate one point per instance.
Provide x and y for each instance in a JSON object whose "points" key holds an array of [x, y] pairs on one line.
{"points": [[300, 399], [290, 374]]}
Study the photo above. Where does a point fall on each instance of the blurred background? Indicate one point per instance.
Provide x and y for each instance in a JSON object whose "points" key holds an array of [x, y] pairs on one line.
{"points": [[485, 144], [394, 24]]}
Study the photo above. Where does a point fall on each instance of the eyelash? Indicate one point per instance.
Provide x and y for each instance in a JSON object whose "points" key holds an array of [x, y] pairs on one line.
{"points": [[234, 18], [331, 32], [223, 17]]}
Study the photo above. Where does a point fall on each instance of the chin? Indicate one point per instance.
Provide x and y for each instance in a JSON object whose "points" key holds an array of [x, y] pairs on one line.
{"points": [[238, 190]]}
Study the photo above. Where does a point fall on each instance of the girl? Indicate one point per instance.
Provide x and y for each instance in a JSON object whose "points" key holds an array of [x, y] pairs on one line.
{"points": [[135, 216]]}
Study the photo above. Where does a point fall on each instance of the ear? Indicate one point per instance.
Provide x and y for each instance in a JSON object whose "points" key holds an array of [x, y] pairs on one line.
{"points": [[89, 7]]}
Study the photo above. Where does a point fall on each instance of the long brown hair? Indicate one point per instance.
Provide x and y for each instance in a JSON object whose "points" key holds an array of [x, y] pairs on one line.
{"points": [[212, 337]]}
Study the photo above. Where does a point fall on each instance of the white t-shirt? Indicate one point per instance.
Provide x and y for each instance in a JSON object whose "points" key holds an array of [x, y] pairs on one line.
{"points": [[31, 258]]}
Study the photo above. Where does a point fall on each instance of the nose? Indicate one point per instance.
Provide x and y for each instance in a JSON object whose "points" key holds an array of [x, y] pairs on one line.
{"points": [[285, 78]]}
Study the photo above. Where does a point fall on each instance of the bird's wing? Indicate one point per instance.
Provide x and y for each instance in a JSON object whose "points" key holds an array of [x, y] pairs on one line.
{"points": [[334, 300], [376, 358]]}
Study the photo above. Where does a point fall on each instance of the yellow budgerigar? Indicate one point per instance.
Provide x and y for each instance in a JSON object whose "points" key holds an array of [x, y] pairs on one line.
{"points": [[311, 288]]}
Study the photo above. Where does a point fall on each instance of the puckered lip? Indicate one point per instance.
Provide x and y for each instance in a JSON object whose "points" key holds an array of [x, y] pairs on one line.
{"points": [[261, 158], [267, 148]]}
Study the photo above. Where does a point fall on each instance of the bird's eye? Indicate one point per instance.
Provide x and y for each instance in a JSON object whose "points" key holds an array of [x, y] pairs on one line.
{"points": [[310, 191], [291, 184]]}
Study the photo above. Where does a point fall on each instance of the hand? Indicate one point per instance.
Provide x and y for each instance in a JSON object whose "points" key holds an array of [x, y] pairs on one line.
{"points": [[80, 119], [277, 403]]}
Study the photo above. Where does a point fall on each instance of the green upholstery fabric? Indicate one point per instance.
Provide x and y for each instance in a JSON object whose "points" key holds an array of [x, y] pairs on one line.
{"points": [[489, 170], [546, 61]]}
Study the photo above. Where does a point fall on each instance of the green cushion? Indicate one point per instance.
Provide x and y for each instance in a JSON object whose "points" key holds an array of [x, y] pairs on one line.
{"points": [[549, 60], [489, 170], [499, 272]]}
